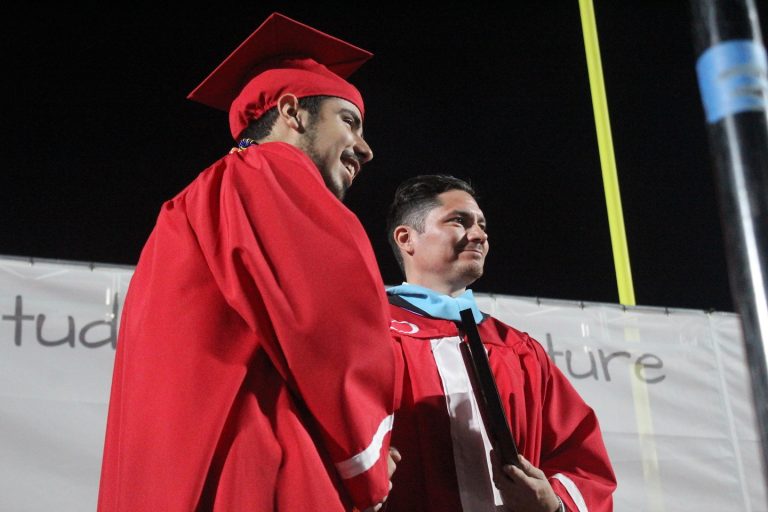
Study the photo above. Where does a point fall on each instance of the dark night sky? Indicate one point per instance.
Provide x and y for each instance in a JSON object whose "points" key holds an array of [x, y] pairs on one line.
{"points": [[99, 133]]}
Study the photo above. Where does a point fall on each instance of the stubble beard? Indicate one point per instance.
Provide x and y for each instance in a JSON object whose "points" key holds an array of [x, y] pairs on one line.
{"points": [[468, 273], [307, 144], [472, 272]]}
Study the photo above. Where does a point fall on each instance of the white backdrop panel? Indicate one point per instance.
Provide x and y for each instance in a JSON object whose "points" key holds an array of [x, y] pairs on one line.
{"points": [[670, 388]]}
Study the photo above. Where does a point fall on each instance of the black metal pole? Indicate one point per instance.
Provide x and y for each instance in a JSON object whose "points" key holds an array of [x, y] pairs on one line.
{"points": [[733, 81]]}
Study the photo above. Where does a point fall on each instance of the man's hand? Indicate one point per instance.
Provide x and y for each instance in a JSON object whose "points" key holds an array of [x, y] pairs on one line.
{"points": [[524, 490], [393, 457]]}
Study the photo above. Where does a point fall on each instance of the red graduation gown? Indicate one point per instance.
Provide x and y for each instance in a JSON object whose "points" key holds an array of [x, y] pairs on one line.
{"points": [[254, 368], [552, 425]]}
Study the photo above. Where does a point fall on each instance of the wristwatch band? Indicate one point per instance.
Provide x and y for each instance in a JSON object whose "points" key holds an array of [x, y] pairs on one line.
{"points": [[561, 508]]}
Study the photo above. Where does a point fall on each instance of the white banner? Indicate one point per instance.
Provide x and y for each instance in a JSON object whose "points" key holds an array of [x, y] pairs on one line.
{"points": [[671, 391], [57, 333], [670, 388]]}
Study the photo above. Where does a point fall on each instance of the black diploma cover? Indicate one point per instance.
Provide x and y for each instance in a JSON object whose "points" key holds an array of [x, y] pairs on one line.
{"points": [[494, 417]]}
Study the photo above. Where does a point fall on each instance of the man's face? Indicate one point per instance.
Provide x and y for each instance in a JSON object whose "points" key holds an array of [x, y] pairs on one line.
{"points": [[334, 141], [450, 252]]}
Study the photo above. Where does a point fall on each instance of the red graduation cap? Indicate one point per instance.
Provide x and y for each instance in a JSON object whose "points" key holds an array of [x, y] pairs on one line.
{"points": [[281, 56]]}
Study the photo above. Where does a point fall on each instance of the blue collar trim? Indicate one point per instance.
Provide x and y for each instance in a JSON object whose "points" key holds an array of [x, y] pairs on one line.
{"points": [[436, 304]]}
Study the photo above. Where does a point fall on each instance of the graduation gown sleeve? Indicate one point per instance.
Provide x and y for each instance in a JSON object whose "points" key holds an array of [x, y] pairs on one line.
{"points": [[562, 434]]}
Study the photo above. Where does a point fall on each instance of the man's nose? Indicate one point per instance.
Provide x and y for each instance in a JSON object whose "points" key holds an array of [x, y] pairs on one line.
{"points": [[477, 234], [362, 150]]}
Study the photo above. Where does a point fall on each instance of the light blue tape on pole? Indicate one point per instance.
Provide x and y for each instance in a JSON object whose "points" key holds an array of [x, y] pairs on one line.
{"points": [[733, 78]]}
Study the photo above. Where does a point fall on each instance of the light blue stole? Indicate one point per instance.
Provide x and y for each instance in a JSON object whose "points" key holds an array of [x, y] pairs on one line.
{"points": [[436, 304]]}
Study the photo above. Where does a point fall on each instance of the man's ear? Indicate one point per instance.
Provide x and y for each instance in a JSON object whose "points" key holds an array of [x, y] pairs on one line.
{"points": [[403, 238], [289, 112]]}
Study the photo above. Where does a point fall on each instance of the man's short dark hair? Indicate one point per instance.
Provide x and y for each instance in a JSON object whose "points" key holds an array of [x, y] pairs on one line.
{"points": [[414, 199], [260, 128]]}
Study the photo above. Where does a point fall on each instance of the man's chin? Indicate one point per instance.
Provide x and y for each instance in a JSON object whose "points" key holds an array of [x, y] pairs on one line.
{"points": [[471, 273], [337, 189]]}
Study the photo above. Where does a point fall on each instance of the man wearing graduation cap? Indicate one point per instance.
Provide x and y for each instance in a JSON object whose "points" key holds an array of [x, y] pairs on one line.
{"points": [[254, 368], [438, 234]]}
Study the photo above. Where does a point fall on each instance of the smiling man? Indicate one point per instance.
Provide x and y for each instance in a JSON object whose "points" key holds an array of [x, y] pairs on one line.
{"points": [[439, 237], [233, 388]]}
